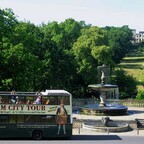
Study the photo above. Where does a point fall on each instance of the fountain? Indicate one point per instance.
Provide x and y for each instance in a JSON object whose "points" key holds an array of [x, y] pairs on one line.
{"points": [[104, 88], [106, 124]]}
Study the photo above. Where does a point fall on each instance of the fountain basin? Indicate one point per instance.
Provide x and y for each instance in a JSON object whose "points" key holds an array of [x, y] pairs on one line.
{"points": [[95, 109], [119, 128], [109, 126]]}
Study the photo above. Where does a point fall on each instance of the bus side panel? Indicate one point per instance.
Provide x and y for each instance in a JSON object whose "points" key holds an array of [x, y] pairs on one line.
{"points": [[11, 131], [58, 131]]}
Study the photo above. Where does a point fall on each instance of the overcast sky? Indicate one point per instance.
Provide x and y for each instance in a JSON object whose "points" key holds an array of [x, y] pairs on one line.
{"points": [[96, 12]]}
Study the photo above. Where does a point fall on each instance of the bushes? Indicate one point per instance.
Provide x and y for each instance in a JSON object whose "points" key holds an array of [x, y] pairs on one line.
{"points": [[127, 84], [140, 95]]}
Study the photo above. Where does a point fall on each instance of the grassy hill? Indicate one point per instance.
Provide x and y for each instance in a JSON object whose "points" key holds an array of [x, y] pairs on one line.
{"points": [[133, 64]]}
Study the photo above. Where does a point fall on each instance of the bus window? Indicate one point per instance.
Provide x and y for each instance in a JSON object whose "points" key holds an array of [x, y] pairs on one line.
{"points": [[9, 101], [53, 100], [12, 99], [40, 119], [50, 119], [29, 100], [12, 118], [20, 118], [4, 99], [45, 100], [38, 100], [20, 100], [32, 118], [3, 118], [65, 99], [29, 118], [1, 100]]}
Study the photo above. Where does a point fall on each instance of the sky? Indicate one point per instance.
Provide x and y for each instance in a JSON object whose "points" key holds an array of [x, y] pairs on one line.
{"points": [[99, 13]]}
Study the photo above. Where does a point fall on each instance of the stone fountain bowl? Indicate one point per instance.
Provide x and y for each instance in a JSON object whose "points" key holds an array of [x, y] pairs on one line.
{"points": [[95, 109], [102, 87]]}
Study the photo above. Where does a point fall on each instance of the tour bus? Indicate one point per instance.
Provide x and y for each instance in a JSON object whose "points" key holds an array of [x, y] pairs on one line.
{"points": [[37, 115]]}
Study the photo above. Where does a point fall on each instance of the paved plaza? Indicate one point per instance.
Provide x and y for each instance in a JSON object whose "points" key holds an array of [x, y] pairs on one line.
{"points": [[135, 112]]}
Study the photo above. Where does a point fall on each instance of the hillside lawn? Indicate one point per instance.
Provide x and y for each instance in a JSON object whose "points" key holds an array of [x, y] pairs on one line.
{"points": [[134, 66]]}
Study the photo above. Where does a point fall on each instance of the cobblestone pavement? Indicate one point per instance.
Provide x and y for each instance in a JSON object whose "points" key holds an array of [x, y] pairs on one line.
{"points": [[135, 112]]}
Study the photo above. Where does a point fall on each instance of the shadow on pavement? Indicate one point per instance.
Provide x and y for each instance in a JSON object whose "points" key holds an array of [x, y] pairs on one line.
{"points": [[137, 111], [88, 138], [73, 138], [95, 137]]}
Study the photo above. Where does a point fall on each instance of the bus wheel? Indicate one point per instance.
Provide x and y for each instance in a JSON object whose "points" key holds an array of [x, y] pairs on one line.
{"points": [[37, 135]]}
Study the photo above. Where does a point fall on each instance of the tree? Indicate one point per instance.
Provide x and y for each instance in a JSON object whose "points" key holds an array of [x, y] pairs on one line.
{"points": [[126, 83], [56, 55], [140, 95], [8, 22], [119, 39], [22, 57], [103, 54], [91, 50], [59, 71]]}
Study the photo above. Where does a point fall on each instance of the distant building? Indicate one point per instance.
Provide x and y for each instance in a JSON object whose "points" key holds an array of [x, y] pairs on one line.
{"points": [[138, 37]]}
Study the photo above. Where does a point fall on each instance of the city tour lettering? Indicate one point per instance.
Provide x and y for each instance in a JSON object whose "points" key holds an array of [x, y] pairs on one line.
{"points": [[23, 107], [29, 109]]}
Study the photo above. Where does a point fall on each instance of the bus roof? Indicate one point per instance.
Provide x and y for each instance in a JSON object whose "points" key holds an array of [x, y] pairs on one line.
{"points": [[55, 92], [46, 93], [8, 92]]}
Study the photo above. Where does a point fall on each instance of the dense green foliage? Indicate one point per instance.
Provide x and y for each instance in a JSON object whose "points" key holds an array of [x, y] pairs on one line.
{"points": [[127, 84], [140, 95], [120, 42], [56, 55]]}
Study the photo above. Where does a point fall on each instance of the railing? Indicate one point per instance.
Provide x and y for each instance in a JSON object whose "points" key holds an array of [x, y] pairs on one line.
{"points": [[133, 103], [128, 102]]}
